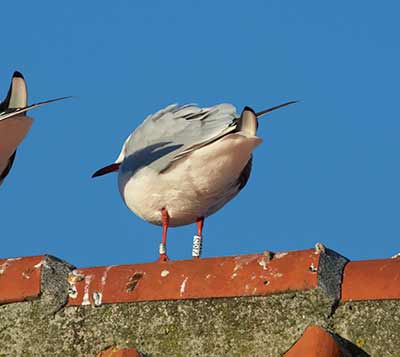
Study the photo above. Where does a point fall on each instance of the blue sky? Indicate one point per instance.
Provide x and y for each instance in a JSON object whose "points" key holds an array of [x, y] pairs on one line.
{"points": [[328, 170]]}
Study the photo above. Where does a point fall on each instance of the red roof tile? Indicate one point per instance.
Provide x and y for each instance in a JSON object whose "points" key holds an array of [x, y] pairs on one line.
{"points": [[247, 275], [315, 342], [20, 278], [371, 280]]}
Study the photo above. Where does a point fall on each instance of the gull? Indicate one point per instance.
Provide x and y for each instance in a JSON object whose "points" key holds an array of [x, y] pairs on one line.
{"points": [[184, 163], [14, 124]]}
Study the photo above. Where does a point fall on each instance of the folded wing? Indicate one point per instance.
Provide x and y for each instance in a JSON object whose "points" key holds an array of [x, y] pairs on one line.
{"points": [[174, 132]]}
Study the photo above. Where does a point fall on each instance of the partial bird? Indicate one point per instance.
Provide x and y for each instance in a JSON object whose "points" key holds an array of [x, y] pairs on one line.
{"points": [[14, 124], [184, 163]]}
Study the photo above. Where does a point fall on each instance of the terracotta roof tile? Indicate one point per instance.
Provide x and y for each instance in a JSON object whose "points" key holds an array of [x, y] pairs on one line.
{"points": [[20, 278], [247, 275], [371, 280], [315, 342]]}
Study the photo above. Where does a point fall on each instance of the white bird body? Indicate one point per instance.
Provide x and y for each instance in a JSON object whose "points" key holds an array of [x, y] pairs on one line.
{"points": [[184, 163], [195, 186]]}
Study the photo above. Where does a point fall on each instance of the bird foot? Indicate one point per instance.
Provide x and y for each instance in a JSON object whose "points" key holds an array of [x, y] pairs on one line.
{"points": [[163, 257]]}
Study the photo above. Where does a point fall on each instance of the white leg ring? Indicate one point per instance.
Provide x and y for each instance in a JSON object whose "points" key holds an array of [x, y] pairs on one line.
{"points": [[197, 242], [162, 248]]}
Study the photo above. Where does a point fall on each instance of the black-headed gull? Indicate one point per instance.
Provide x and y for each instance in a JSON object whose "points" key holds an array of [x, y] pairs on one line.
{"points": [[184, 163], [14, 124]]}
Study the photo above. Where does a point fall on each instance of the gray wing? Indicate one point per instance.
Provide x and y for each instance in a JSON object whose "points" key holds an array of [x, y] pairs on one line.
{"points": [[174, 132]]}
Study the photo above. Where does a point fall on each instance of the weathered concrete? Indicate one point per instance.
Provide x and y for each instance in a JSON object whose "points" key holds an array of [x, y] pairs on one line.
{"points": [[252, 326], [374, 326]]}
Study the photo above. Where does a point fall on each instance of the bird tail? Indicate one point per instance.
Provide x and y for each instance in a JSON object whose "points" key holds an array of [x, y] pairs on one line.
{"points": [[17, 96], [16, 101]]}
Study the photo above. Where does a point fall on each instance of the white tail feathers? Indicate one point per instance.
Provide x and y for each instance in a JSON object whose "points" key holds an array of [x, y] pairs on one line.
{"points": [[18, 94], [248, 122]]}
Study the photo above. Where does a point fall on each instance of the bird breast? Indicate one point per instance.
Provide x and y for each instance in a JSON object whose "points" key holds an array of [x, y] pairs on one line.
{"points": [[196, 185]]}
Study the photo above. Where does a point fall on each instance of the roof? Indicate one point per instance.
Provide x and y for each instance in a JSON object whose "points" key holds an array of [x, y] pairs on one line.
{"points": [[271, 302]]}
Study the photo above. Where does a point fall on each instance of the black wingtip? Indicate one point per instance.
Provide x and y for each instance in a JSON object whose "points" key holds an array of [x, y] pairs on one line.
{"points": [[18, 74], [276, 107], [249, 109]]}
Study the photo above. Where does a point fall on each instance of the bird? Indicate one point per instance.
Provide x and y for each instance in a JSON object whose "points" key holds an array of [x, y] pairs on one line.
{"points": [[184, 163], [14, 124]]}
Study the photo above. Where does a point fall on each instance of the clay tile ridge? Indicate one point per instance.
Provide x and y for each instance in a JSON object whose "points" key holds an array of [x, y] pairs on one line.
{"points": [[246, 275], [315, 342], [372, 280], [24, 278], [261, 274], [20, 278]]}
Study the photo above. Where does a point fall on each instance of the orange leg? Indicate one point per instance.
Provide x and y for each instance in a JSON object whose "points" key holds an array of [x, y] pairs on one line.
{"points": [[200, 225], [197, 239], [163, 245]]}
